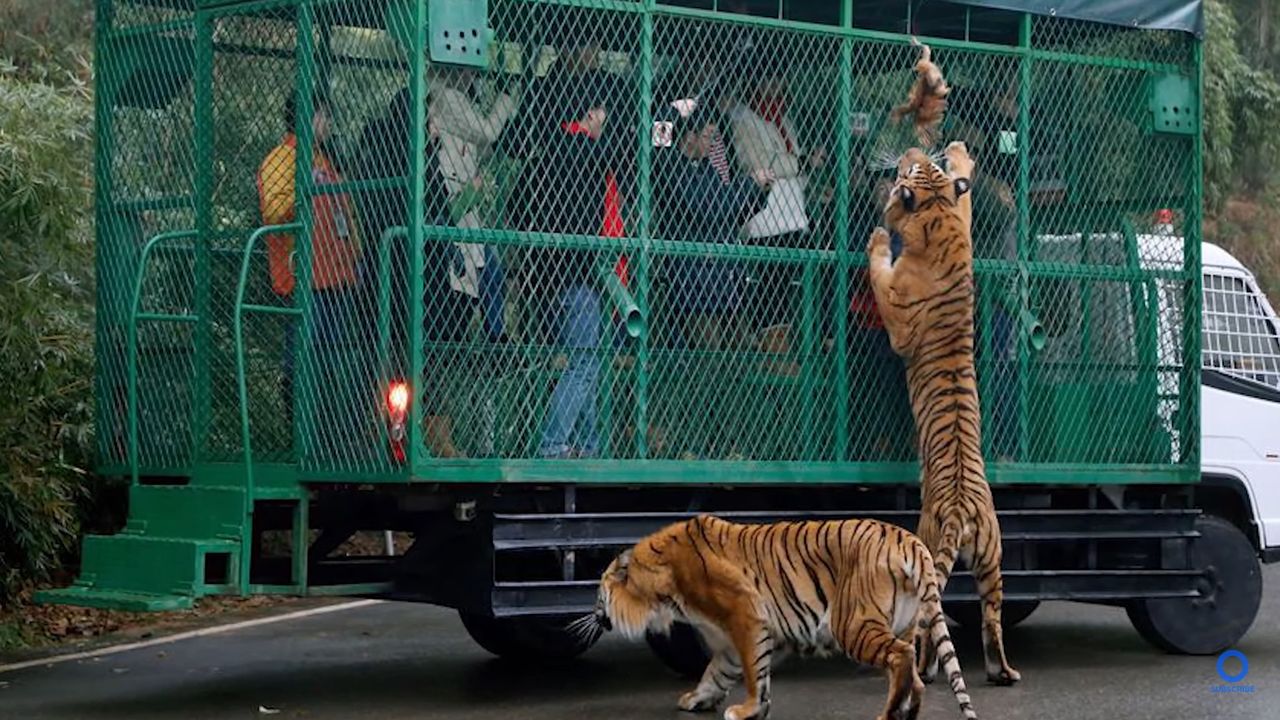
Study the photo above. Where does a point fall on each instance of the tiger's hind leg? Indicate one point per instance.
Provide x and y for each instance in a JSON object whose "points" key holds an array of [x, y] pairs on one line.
{"points": [[873, 643], [943, 540], [986, 570], [863, 631]]}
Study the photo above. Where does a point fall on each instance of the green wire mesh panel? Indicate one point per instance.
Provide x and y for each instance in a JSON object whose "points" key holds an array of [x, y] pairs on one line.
{"points": [[146, 164], [542, 255]]}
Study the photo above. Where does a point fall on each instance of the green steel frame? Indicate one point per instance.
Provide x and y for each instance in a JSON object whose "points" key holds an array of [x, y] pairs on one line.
{"points": [[313, 63], [187, 345]]}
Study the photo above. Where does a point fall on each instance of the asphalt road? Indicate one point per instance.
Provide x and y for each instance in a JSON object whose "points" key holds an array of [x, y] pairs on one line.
{"points": [[394, 661]]}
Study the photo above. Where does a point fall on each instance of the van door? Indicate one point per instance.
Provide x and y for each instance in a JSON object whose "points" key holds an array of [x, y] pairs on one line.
{"points": [[1240, 395]]}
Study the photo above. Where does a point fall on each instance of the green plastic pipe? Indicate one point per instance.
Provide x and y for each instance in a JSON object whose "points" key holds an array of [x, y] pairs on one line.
{"points": [[1027, 320], [632, 317]]}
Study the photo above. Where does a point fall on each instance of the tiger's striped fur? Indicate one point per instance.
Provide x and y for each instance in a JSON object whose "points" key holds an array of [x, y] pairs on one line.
{"points": [[854, 586], [926, 300]]}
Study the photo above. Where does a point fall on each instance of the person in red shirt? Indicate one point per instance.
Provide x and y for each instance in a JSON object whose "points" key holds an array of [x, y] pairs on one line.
{"points": [[574, 190]]}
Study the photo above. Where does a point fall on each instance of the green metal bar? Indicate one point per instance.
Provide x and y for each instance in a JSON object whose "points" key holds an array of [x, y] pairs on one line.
{"points": [[242, 386], [303, 400], [771, 472], [203, 139], [131, 342], [301, 543], [1024, 230], [630, 244], [812, 360], [111, 311], [792, 256], [645, 259], [843, 154], [168, 317], [273, 310], [1192, 297], [418, 81]]}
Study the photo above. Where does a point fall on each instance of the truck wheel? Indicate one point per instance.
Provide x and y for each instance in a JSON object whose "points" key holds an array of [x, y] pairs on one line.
{"points": [[1231, 591], [969, 614], [682, 650], [526, 639]]}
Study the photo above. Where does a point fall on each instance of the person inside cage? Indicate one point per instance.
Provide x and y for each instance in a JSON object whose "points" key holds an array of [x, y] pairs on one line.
{"points": [[386, 152], [576, 193], [467, 135], [767, 144], [700, 200], [335, 252]]}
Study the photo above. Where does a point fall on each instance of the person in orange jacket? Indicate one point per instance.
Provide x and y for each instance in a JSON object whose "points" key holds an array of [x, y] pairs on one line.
{"points": [[335, 247]]}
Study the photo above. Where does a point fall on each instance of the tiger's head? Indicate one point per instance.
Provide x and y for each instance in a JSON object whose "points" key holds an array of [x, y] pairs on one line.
{"points": [[924, 194], [638, 589]]}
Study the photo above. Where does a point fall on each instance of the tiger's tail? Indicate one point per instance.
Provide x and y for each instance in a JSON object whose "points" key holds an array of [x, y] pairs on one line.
{"points": [[941, 638]]}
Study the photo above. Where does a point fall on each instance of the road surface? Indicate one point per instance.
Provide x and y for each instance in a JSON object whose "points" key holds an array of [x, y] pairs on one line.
{"points": [[394, 661]]}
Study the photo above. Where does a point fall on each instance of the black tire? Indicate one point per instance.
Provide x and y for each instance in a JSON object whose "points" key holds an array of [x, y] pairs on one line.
{"points": [[526, 639], [1230, 596], [968, 615], [682, 650]]}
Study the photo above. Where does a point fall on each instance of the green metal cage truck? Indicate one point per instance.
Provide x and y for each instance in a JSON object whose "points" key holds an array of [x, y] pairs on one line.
{"points": [[563, 271]]}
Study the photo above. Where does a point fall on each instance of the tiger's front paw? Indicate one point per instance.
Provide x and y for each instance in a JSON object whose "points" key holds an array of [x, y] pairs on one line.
{"points": [[959, 164], [747, 711], [695, 701], [1004, 676], [878, 245]]}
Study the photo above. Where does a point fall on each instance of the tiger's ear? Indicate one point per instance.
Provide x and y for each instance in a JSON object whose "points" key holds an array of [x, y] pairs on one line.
{"points": [[962, 186], [907, 198]]}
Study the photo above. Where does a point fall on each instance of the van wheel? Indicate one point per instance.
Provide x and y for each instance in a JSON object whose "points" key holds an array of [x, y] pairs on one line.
{"points": [[1230, 594], [682, 650], [968, 614], [527, 639]]}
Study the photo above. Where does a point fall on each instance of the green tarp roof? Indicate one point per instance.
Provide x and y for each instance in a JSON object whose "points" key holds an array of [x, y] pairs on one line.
{"points": [[1183, 15]]}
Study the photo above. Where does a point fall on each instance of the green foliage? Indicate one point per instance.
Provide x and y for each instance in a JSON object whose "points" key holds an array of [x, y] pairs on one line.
{"points": [[50, 42], [46, 310], [1242, 113]]}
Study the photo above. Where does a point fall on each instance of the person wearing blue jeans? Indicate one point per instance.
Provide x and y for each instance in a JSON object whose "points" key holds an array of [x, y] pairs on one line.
{"points": [[574, 189], [570, 427]]}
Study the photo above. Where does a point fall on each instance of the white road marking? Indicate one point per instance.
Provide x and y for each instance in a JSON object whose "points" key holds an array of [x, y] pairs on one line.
{"points": [[217, 630]]}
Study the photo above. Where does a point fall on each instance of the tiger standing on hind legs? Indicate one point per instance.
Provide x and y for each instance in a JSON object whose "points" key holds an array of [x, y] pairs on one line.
{"points": [[857, 587], [925, 298]]}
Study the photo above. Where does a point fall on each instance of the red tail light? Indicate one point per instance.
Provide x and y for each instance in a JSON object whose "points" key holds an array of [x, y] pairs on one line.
{"points": [[397, 413], [398, 401]]}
